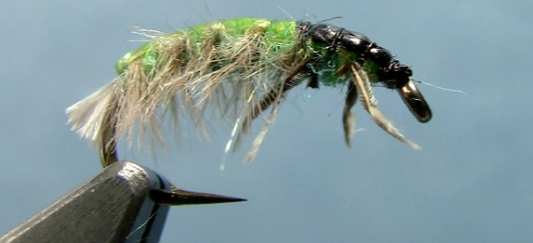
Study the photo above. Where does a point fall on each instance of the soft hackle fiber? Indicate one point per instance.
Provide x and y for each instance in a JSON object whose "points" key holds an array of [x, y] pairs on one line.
{"points": [[237, 69]]}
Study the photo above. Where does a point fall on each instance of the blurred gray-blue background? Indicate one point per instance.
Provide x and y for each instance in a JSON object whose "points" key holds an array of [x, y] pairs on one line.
{"points": [[472, 182]]}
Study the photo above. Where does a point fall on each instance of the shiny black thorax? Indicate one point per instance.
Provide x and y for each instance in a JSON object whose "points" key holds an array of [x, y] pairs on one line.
{"points": [[391, 72]]}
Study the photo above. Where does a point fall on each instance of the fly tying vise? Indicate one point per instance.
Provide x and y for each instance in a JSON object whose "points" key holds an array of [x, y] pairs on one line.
{"points": [[239, 68]]}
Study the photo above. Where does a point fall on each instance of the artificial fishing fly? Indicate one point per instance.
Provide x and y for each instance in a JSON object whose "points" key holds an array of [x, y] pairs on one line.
{"points": [[239, 68]]}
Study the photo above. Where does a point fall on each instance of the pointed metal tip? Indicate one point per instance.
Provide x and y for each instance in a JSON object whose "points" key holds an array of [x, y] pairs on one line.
{"points": [[178, 197]]}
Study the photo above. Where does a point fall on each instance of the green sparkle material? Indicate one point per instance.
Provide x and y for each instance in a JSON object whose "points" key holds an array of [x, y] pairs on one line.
{"points": [[279, 37]]}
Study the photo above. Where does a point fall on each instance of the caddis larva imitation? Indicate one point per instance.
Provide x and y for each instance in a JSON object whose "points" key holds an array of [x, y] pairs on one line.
{"points": [[239, 68]]}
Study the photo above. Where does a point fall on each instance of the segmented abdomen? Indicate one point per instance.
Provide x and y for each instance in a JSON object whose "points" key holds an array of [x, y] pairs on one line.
{"points": [[222, 66], [225, 40]]}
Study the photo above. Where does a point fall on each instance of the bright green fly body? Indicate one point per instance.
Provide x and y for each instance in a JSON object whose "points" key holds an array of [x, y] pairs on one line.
{"points": [[238, 67], [277, 37]]}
